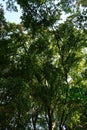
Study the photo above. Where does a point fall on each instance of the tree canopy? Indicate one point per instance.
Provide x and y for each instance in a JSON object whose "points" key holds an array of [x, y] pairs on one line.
{"points": [[43, 66]]}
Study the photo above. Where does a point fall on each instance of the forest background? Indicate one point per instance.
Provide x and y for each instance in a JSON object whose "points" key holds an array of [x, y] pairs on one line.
{"points": [[43, 66]]}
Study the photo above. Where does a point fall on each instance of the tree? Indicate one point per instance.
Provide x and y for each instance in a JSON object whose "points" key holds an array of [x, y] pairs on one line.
{"points": [[45, 69]]}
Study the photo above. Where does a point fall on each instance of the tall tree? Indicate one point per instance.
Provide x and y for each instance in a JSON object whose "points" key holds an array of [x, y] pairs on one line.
{"points": [[46, 68]]}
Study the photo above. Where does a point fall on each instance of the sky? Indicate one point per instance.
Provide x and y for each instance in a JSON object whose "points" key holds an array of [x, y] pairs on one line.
{"points": [[12, 16], [15, 16]]}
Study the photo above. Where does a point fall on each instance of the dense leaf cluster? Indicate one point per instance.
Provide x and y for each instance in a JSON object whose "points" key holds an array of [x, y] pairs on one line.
{"points": [[43, 68]]}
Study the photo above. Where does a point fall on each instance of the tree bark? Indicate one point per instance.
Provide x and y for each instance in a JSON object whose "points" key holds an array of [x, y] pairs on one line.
{"points": [[50, 119], [34, 123], [34, 119], [61, 127]]}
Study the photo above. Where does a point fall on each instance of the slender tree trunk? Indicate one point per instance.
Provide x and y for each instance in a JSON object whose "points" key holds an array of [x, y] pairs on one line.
{"points": [[61, 127], [50, 123], [50, 119], [34, 119], [34, 123]]}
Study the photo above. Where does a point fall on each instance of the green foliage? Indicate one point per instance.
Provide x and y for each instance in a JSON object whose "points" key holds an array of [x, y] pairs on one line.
{"points": [[43, 69], [83, 3]]}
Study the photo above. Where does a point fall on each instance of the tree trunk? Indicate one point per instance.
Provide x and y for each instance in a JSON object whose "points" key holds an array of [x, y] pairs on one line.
{"points": [[50, 119], [34, 119], [34, 125], [61, 127]]}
